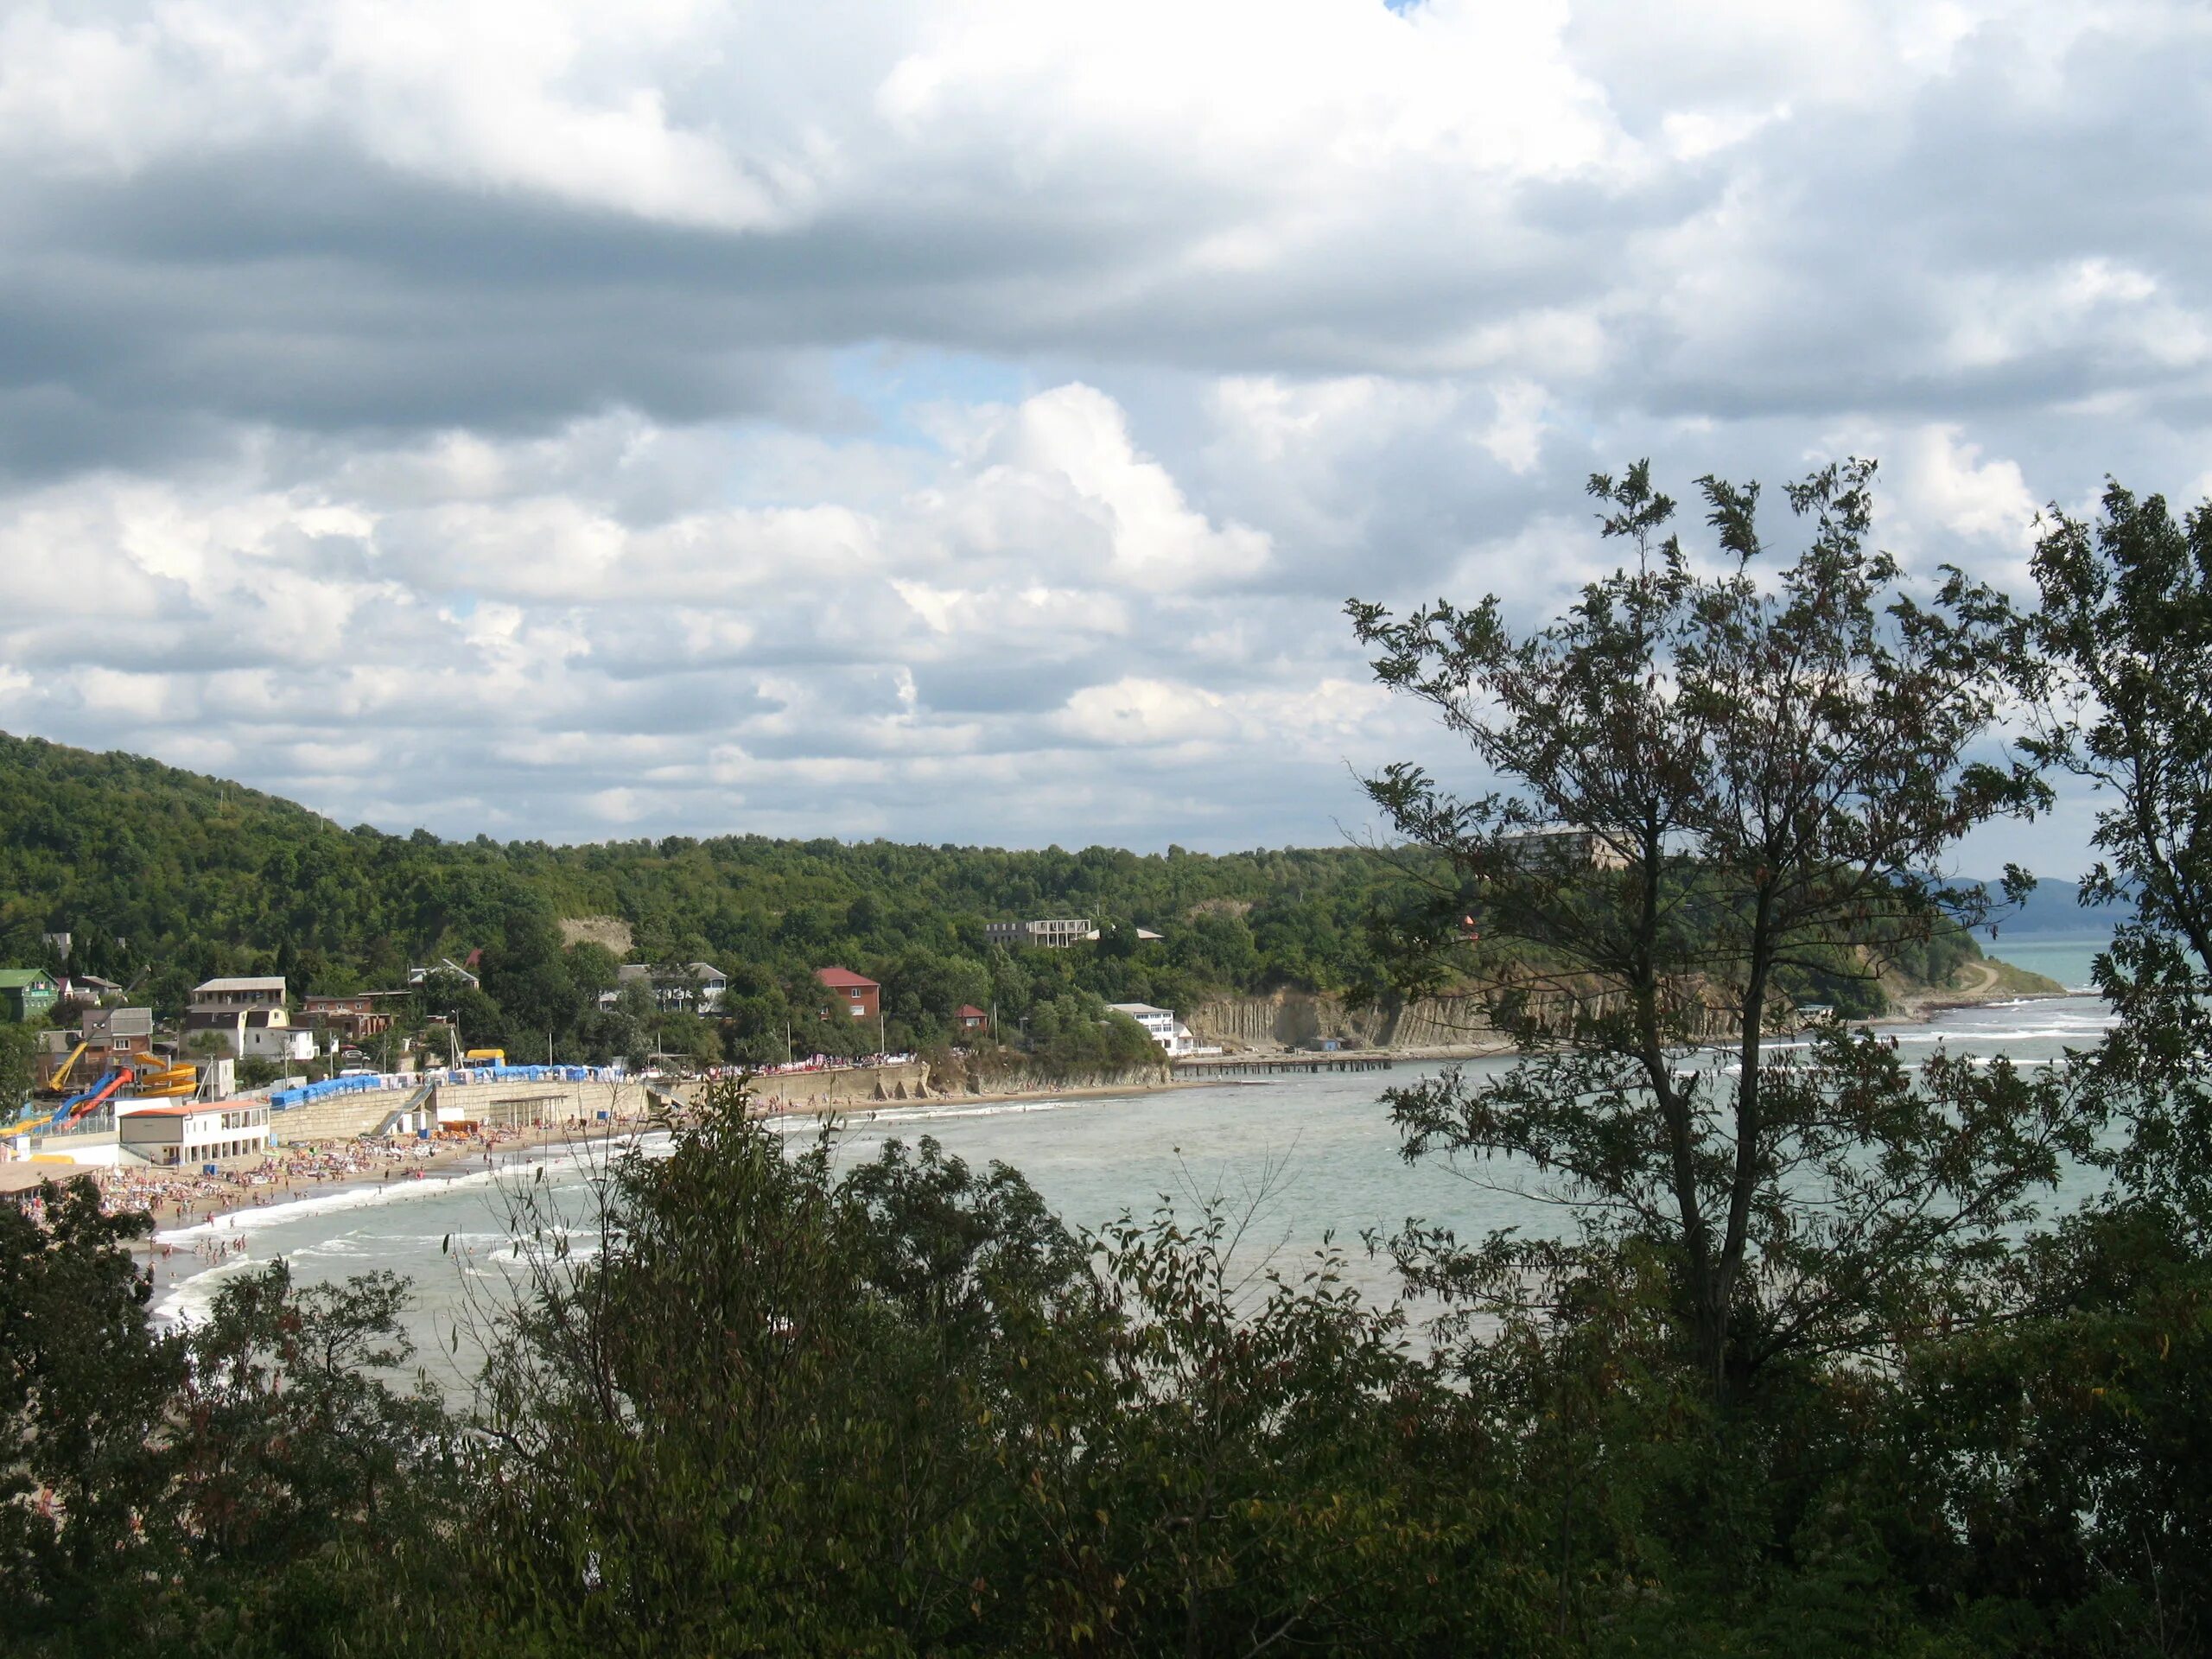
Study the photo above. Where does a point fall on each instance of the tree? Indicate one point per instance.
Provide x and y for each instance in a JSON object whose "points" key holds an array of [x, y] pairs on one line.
{"points": [[18, 1051], [2119, 660], [83, 1386], [1705, 783], [2070, 1443]]}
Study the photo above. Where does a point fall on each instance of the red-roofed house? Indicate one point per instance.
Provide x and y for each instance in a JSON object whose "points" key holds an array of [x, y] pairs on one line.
{"points": [[858, 995], [971, 1018]]}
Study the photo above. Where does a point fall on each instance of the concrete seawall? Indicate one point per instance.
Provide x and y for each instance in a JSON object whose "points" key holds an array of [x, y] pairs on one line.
{"points": [[501, 1105]]}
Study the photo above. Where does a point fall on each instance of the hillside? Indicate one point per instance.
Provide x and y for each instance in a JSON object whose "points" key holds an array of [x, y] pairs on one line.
{"points": [[165, 877]]}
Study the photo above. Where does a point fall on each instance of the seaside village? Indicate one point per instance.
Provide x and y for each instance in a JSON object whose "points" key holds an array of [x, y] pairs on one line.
{"points": [[254, 1092]]}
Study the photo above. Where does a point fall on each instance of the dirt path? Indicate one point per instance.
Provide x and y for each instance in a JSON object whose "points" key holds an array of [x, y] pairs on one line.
{"points": [[1983, 974]]}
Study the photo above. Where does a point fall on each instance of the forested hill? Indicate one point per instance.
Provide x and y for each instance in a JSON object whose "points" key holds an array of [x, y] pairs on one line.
{"points": [[165, 877]]}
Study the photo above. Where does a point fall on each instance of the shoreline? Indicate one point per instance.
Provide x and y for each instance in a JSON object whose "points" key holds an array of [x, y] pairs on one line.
{"points": [[836, 1108], [184, 1224]]}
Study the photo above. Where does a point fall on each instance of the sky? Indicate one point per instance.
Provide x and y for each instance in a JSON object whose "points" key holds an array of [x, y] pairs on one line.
{"points": [[965, 422]]}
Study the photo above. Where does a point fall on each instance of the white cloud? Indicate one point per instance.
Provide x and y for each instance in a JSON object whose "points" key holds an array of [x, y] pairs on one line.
{"points": [[966, 419]]}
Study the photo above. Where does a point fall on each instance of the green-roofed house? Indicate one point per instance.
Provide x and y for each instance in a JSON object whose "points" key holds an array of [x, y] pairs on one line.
{"points": [[27, 993]]}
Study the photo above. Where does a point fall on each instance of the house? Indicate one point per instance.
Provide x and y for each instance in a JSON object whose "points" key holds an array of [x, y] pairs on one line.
{"points": [[1053, 935], [1160, 1025], [119, 1031], [193, 1134], [26, 993], [353, 1015], [235, 996], [858, 995], [249, 1015], [688, 987], [1562, 851], [267, 1034], [87, 987], [447, 965], [969, 1017]]}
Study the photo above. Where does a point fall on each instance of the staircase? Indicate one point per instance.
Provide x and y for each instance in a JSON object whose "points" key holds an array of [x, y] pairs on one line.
{"points": [[423, 1092]]}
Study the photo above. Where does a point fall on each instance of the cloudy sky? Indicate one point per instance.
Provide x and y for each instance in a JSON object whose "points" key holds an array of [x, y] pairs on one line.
{"points": [[964, 421]]}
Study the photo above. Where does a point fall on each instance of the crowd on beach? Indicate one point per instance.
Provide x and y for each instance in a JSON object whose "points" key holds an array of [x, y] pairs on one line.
{"points": [[181, 1197]]}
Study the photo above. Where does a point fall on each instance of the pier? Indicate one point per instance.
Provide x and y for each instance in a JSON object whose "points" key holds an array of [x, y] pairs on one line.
{"points": [[1257, 1065]]}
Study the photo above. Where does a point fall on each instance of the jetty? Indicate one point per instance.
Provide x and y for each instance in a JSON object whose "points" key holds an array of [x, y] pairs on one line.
{"points": [[1258, 1065]]}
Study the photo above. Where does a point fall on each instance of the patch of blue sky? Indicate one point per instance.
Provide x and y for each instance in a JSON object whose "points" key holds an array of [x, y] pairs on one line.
{"points": [[895, 382]]}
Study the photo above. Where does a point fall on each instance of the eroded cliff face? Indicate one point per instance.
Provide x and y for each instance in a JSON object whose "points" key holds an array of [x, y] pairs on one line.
{"points": [[1296, 1018]]}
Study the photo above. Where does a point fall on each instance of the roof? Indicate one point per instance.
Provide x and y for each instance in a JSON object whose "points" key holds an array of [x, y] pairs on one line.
{"points": [[186, 1108], [671, 974], [1134, 1008], [16, 979], [969, 1010], [242, 983], [122, 1022], [841, 979], [349, 996]]}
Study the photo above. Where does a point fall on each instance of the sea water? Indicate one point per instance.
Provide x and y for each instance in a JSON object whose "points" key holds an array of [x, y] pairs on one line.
{"points": [[1310, 1158]]}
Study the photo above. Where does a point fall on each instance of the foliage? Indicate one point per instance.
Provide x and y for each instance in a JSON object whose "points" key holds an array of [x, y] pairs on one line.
{"points": [[18, 1054], [906, 1411], [2119, 656], [165, 878], [1708, 782]]}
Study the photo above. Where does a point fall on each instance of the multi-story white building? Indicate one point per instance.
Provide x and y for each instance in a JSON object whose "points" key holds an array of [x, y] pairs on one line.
{"points": [[1161, 1025], [188, 1136], [249, 1015], [1056, 934], [1563, 850], [688, 986]]}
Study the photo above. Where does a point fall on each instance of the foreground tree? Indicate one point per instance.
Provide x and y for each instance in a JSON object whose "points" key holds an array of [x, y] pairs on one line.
{"points": [[1715, 783], [2118, 661], [2071, 1445]]}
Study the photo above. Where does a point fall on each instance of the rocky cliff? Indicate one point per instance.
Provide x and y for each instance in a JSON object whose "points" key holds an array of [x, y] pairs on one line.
{"points": [[1296, 1018]]}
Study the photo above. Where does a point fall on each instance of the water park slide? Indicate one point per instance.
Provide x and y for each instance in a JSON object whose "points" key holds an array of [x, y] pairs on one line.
{"points": [[160, 1079], [91, 1100]]}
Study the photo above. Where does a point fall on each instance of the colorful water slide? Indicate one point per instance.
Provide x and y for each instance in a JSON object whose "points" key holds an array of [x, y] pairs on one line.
{"points": [[161, 1079], [90, 1101]]}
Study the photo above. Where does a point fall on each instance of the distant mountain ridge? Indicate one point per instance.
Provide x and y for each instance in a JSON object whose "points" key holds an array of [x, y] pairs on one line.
{"points": [[2054, 909]]}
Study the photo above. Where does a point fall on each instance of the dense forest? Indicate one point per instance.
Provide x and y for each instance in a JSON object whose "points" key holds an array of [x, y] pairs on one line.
{"points": [[163, 878]]}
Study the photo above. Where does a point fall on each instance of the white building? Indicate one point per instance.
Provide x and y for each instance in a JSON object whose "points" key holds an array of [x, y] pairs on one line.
{"points": [[688, 986], [188, 1136], [248, 1014], [1161, 1025], [232, 995], [443, 965], [267, 1032], [1056, 934], [1562, 851]]}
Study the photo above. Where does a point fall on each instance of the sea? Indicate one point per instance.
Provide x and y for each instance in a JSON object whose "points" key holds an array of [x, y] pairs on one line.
{"points": [[1306, 1162]]}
